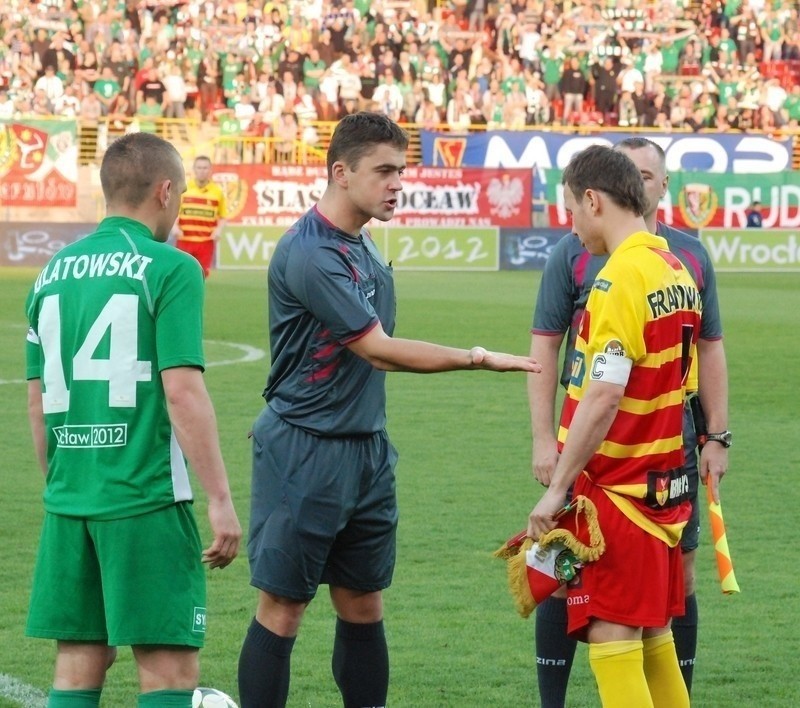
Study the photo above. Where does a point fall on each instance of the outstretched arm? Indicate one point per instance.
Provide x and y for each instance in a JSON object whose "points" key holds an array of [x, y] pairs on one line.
{"points": [[395, 354]]}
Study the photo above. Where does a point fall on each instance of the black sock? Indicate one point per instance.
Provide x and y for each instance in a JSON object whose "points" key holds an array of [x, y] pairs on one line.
{"points": [[554, 652], [684, 629], [264, 668], [361, 664]]}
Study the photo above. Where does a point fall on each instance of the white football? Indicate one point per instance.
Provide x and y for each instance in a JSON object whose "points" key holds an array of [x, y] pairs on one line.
{"points": [[211, 698]]}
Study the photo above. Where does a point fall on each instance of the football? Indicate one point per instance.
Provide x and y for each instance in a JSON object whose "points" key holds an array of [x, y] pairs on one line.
{"points": [[211, 698]]}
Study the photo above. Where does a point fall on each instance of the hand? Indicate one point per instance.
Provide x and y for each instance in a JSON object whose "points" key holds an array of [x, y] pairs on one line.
{"points": [[545, 457], [541, 519], [713, 466], [227, 533], [498, 361]]}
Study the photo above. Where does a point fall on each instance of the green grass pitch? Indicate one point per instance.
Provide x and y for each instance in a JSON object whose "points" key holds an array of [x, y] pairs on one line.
{"points": [[464, 485]]}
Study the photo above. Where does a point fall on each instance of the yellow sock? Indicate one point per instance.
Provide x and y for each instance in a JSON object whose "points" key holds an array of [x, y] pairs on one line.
{"points": [[663, 672], [618, 668]]}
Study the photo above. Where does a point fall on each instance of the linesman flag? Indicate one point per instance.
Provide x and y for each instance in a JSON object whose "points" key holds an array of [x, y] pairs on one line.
{"points": [[724, 563]]}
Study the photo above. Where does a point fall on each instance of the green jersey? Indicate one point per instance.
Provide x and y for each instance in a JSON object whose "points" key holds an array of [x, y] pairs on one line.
{"points": [[106, 315]]}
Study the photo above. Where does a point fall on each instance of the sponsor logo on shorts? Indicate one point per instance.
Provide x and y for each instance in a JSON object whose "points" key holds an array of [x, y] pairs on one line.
{"points": [[115, 435], [199, 620], [577, 600]]}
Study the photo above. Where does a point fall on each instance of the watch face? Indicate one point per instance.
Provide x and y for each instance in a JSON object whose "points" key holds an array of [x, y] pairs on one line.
{"points": [[725, 439]]}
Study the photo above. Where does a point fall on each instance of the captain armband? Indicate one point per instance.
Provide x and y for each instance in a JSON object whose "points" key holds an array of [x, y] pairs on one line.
{"points": [[611, 368]]}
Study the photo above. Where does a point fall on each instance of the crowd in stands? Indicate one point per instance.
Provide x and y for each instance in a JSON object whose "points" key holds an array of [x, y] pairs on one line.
{"points": [[272, 69]]}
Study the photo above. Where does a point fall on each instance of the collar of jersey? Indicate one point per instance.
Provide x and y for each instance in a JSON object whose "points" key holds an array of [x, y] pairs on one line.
{"points": [[115, 223], [642, 238]]}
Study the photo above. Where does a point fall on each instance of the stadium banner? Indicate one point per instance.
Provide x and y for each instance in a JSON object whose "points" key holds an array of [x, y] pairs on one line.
{"points": [[246, 247], [33, 244], [277, 195], [697, 200], [439, 248], [39, 163], [527, 249], [761, 250], [739, 154]]}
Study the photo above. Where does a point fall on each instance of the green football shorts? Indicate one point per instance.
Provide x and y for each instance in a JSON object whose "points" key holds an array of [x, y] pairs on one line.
{"points": [[138, 580]]}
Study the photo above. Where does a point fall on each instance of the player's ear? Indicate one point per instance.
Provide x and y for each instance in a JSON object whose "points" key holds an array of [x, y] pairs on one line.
{"points": [[165, 193], [339, 173], [592, 199]]}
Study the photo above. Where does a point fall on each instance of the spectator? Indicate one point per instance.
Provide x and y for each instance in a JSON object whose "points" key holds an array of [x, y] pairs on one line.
{"points": [[208, 80], [175, 89], [273, 105], [57, 51], [626, 109], [754, 217], [50, 84], [41, 104], [604, 79], [388, 98], [552, 62], [573, 86], [427, 115], [7, 109], [153, 88], [697, 120], [121, 66], [327, 110], [106, 88], [287, 132], [149, 113], [314, 67]]}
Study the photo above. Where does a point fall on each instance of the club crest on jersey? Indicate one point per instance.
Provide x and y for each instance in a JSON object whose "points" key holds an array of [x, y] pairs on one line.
{"points": [[614, 348], [667, 488]]}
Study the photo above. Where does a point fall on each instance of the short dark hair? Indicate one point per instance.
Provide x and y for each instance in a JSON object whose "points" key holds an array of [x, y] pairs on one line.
{"points": [[357, 133], [133, 164], [636, 143], [610, 171]]}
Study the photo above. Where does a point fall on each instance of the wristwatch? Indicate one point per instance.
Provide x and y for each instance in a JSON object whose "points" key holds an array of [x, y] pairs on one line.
{"points": [[725, 438]]}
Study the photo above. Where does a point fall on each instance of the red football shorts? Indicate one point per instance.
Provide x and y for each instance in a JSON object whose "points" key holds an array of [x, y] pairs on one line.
{"points": [[637, 582], [203, 251]]}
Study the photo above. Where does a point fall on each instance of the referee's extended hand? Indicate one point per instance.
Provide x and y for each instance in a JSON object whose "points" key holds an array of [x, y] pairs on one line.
{"points": [[227, 534], [500, 361]]}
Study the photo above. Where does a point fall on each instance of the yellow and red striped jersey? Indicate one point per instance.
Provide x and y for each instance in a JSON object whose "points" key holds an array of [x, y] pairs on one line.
{"points": [[644, 306], [201, 210]]}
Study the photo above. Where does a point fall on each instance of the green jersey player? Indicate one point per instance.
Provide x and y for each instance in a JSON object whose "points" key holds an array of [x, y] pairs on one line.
{"points": [[116, 399]]}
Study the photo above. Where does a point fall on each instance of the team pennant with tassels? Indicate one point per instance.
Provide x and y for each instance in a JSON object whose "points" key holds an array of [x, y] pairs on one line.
{"points": [[537, 569], [724, 563]]}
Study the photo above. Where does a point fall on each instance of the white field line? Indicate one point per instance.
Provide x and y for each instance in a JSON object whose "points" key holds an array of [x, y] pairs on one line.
{"points": [[25, 695]]}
